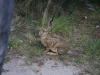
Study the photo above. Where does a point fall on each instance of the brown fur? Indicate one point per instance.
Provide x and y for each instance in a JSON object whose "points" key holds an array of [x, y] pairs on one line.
{"points": [[52, 42]]}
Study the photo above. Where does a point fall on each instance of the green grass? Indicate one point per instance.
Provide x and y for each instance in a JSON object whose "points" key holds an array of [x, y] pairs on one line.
{"points": [[92, 47], [15, 43], [63, 57], [63, 25], [28, 46], [7, 59]]}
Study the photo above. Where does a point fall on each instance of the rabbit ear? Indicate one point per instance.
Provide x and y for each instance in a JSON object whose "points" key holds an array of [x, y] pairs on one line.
{"points": [[50, 23]]}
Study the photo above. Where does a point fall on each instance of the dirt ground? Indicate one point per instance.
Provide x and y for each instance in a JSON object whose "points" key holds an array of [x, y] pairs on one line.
{"points": [[18, 65]]}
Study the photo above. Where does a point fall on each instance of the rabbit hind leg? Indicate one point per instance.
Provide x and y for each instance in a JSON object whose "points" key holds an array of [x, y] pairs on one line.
{"points": [[47, 50], [54, 52], [51, 53]]}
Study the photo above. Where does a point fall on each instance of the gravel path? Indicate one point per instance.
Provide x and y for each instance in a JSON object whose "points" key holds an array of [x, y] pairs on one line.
{"points": [[17, 66]]}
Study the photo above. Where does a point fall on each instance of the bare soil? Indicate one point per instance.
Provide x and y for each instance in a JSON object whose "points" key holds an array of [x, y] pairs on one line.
{"points": [[45, 65]]}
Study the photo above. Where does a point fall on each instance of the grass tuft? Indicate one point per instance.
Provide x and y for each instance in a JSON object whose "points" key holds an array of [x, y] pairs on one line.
{"points": [[92, 48]]}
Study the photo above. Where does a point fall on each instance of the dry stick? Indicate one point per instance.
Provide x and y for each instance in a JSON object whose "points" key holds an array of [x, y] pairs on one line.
{"points": [[45, 15]]}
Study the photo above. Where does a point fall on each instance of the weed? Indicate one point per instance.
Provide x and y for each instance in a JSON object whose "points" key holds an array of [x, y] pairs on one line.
{"points": [[29, 46], [92, 47], [7, 59], [27, 19], [37, 51], [63, 57], [63, 25], [14, 42]]}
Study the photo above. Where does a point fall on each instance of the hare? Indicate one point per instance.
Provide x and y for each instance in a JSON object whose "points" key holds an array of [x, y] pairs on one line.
{"points": [[53, 42]]}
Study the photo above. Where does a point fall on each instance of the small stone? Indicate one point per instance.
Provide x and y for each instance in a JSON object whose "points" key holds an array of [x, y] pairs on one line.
{"points": [[40, 63]]}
